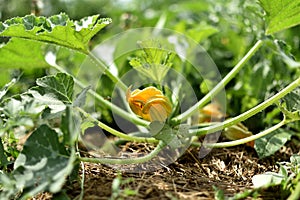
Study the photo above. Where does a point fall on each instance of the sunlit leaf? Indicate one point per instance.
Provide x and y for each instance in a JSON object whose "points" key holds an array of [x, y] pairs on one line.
{"points": [[281, 14], [4, 90], [18, 53], [154, 62], [57, 29]]}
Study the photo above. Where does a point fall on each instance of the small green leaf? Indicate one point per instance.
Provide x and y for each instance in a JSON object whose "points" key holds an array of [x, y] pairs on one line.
{"points": [[219, 194], [281, 14], [272, 142], [267, 179], [174, 137], [86, 124], [154, 61], [293, 100], [290, 105], [55, 92], [57, 29], [285, 52], [295, 162], [81, 97], [59, 86], [283, 171], [20, 113], [6, 87]]}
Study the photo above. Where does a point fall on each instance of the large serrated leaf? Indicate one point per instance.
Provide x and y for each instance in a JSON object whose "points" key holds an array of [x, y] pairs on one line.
{"points": [[58, 29], [43, 165], [18, 53], [281, 14]]}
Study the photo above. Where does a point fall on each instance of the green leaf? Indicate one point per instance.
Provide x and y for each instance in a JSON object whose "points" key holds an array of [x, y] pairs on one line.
{"points": [[18, 53], [19, 113], [295, 162], [292, 100], [81, 97], [202, 32], [70, 126], [284, 51], [174, 137], [281, 14], [290, 105], [219, 194], [43, 165], [267, 179], [6, 87], [3, 157], [272, 142], [57, 29], [154, 61], [59, 87]]}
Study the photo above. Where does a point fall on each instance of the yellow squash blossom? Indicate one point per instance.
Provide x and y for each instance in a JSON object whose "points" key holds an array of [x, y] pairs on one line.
{"points": [[149, 103]]}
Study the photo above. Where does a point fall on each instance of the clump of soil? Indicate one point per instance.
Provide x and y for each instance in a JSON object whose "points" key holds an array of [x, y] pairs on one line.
{"points": [[190, 177]]}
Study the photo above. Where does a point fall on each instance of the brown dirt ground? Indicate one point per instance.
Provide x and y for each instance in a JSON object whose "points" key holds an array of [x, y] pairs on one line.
{"points": [[190, 177]]}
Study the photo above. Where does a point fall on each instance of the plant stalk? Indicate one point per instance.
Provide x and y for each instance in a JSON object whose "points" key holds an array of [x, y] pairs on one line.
{"points": [[247, 139], [220, 86], [125, 161], [249, 113], [119, 134]]}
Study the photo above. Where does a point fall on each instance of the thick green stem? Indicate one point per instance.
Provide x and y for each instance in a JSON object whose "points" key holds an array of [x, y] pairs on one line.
{"points": [[122, 113], [295, 194], [124, 161], [247, 139], [220, 86], [249, 113], [115, 132]]}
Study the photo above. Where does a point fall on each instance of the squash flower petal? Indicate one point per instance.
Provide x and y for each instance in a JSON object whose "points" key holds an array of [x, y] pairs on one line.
{"points": [[149, 103]]}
